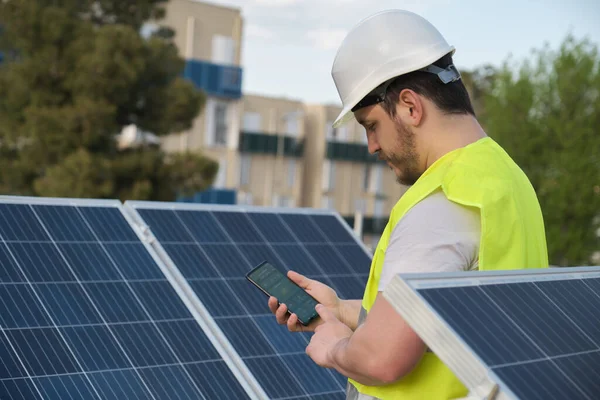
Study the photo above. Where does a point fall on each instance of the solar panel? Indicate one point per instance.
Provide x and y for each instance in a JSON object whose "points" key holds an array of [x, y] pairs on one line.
{"points": [[214, 246], [533, 333], [88, 311]]}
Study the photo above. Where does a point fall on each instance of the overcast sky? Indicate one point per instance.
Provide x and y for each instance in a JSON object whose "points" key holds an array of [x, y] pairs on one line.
{"points": [[289, 45]]}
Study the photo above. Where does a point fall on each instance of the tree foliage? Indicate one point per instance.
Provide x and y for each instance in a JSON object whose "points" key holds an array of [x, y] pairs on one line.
{"points": [[546, 113], [75, 72]]}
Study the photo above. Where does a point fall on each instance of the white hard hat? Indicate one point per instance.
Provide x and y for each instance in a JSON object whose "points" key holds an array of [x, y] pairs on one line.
{"points": [[383, 46]]}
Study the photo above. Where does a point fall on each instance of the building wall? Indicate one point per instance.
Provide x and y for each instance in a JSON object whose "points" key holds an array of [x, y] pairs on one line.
{"points": [[199, 26], [275, 179], [210, 33]]}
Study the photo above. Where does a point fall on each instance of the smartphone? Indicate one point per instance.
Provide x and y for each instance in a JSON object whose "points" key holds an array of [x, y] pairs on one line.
{"points": [[273, 282]]}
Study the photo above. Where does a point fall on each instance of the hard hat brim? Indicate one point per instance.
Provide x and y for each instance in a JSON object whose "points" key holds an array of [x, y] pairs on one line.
{"points": [[345, 116]]}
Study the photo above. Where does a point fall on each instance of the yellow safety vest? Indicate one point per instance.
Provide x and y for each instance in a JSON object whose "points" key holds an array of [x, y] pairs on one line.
{"points": [[480, 175]]}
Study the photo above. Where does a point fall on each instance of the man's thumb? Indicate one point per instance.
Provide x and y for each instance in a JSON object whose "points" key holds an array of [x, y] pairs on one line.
{"points": [[299, 279], [324, 313]]}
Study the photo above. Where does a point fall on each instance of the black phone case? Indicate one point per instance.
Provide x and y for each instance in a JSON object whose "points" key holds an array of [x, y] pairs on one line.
{"points": [[312, 317]]}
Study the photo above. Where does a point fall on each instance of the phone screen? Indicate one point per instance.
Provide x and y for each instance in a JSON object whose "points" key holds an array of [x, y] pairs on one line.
{"points": [[274, 283]]}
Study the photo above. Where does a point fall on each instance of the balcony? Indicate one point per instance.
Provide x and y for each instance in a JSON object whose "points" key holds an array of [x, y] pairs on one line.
{"points": [[214, 79], [354, 152], [261, 143]]}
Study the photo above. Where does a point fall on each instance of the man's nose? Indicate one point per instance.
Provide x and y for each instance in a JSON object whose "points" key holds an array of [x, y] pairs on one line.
{"points": [[372, 144]]}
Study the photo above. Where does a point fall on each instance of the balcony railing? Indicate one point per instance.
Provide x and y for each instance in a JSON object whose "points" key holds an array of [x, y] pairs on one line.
{"points": [[356, 152], [215, 79], [261, 143]]}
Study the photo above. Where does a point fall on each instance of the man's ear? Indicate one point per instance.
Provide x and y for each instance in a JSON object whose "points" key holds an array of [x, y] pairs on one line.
{"points": [[410, 107]]}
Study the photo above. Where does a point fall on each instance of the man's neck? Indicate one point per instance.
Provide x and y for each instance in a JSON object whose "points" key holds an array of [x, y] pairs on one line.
{"points": [[452, 132]]}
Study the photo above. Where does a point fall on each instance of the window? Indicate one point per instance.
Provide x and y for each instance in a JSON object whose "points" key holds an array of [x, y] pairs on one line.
{"points": [[342, 134], [377, 179], [379, 212], [328, 178], [244, 198], [292, 124], [221, 124], [223, 50], [327, 202], [362, 134], [284, 201], [336, 134], [291, 178], [360, 206], [251, 122], [366, 178], [245, 164], [329, 131], [221, 178]]}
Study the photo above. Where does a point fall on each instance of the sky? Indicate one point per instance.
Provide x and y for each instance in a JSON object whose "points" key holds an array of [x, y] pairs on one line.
{"points": [[289, 45]]}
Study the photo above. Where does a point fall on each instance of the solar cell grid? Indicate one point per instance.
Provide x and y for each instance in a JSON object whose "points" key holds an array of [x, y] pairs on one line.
{"points": [[215, 247], [536, 331], [88, 313]]}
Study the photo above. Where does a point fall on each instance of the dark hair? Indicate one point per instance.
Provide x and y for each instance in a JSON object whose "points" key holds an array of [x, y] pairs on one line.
{"points": [[451, 98]]}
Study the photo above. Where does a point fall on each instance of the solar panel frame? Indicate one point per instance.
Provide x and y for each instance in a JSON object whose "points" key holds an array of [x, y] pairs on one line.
{"points": [[133, 206], [403, 294], [172, 275]]}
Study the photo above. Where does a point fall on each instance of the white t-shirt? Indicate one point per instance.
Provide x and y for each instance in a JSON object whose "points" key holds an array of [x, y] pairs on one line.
{"points": [[435, 235]]}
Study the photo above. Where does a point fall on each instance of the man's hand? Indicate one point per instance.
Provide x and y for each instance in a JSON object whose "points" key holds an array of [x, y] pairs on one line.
{"points": [[328, 336], [321, 292]]}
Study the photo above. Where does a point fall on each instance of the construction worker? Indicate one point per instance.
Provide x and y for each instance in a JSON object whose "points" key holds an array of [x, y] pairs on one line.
{"points": [[468, 205]]}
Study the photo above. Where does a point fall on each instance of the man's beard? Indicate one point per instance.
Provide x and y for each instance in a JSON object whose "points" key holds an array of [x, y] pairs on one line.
{"points": [[405, 158]]}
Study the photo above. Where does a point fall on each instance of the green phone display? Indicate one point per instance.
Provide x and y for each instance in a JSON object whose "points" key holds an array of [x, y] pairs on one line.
{"points": [[274, 283]]}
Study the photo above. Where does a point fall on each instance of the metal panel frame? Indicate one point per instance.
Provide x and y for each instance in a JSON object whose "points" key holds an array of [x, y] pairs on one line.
{"points": [[171, 274], [403, 295]]}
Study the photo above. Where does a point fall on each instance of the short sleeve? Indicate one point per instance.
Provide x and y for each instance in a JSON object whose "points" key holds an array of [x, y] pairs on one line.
{"points": [[436, 235]]}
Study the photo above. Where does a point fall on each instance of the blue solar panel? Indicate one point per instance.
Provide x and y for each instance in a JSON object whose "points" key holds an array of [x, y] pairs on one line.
{"points": [[87, 313], [215, 246], [538, 333]]}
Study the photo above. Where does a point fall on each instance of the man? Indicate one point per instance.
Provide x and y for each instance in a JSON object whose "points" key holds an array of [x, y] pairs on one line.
{"points": [[468, 207]]}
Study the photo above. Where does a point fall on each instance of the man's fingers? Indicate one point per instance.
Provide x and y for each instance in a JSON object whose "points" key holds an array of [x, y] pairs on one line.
{"points": [[299, 279], [292, 323], [281, 314], [273, 304]]}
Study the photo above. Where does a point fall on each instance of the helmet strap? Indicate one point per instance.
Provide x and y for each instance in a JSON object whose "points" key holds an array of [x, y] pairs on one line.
{"points": [[446, 75]]}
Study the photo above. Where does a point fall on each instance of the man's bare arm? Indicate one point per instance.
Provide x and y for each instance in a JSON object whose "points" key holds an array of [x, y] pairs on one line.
{"points": [[349, 311]]}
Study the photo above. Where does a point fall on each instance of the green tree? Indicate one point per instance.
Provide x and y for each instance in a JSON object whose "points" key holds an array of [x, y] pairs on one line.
{"points": [[75, 72], [546, 114]]}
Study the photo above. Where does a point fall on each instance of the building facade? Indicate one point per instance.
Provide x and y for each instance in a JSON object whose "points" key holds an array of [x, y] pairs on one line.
{"points": [[209, 37], [273, 151]]}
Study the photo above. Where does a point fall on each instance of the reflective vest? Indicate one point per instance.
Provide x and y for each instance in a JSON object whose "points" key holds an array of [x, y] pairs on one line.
{"points": [[480, 175]]}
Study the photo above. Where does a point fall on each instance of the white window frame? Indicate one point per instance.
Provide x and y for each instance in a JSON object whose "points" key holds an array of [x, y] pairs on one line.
{"points": [[366, 178], [328, 178], [252, 121], [221, 178], [245, 166], [292, 125], [379, 208], [327, 202], [291, 173], [223, 50], [376, 183]]}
